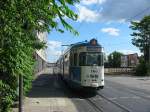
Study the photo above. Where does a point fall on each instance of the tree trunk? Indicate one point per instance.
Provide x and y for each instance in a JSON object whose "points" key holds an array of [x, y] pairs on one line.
{"points": [[147, 54]]}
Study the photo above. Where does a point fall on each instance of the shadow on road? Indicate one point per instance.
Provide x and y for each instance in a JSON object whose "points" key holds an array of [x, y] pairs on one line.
{"points": [[48, 85]]}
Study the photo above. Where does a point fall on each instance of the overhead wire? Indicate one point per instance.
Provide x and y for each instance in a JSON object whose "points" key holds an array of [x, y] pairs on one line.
{"points": [[146, 9], [131, 18], [127, 20]]}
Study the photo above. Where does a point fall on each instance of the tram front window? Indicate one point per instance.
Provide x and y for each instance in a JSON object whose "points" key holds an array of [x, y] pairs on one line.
{"points": [[90, 59]]}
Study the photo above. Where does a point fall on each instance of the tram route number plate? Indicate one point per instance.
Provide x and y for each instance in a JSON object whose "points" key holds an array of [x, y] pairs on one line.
{"points": [[94, 49]]}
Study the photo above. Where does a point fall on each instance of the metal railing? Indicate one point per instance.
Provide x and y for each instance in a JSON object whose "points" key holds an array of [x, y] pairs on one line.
{"points": [[119, 70]]}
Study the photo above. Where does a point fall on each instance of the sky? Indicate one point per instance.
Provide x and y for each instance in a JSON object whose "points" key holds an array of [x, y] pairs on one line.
{"points": [[106, 20]]}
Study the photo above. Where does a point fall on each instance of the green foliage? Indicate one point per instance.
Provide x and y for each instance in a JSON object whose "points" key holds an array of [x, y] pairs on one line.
{"points": [[142, 69], [141, 40], [114, 59], [7, 92], [148, 67], [19, 23], [141, 35]]}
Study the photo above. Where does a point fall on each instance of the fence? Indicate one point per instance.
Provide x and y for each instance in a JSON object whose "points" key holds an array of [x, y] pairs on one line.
{"points": [[119, 70]]}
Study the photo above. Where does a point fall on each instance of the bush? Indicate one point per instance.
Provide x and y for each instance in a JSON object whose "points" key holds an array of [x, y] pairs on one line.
{"points": [[143, 69], [7, 96], [148, 67]]}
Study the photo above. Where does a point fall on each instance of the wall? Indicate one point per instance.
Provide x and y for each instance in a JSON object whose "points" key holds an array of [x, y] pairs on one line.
{"points": [[40, 55]]}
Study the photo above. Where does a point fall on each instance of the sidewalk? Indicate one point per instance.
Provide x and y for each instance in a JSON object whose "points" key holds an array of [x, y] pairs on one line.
{"points": [[47, 95]]}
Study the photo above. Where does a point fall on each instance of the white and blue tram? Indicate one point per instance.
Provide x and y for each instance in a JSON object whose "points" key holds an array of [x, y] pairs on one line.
{"points": [[82, 65]]}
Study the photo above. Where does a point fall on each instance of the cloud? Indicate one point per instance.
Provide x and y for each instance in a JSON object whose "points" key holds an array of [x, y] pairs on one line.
{"points": [[125, 9], [90, 2], [54, 44], [87, 15], [113, 10], [54, 50], [111, 31]]}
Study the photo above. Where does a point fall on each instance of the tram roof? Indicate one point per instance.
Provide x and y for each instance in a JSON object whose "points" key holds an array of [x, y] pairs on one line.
{"points": [[92, 42], [79, 44]]}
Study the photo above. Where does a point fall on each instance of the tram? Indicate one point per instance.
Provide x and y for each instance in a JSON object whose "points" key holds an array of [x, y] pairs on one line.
{"points": [[82, 65]]}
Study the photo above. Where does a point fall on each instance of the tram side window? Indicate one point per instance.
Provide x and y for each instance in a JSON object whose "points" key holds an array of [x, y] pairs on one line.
{"points": [[71, 59], [101, 59], [75, 59], [82, 58]]}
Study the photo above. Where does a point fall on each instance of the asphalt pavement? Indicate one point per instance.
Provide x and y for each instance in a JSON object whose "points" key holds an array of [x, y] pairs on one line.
{"points": [[120, 94]]}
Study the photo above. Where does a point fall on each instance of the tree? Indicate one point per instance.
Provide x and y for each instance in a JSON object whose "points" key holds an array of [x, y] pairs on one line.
{"points": [[141, 36], [19, 22], [114, 59], [142, 69]]}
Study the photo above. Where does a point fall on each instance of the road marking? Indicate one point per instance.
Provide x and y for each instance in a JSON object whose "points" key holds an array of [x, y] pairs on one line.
{"points": [[134, 97], [122, 97]]}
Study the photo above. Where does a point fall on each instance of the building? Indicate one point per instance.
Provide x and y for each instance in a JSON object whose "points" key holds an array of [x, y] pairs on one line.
{"points": [[124, 61], [129, 60], [40, 55]]}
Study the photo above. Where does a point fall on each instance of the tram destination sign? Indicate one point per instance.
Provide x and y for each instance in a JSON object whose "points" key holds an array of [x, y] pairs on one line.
{"points": [[94, 49]]}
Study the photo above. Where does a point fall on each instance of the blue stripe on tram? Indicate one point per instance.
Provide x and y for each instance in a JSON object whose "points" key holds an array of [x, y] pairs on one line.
{"points": [[75, 73]]}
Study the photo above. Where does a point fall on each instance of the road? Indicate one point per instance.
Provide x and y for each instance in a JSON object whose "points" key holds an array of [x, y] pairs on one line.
{"points": [[50, 93], [116, 97]]}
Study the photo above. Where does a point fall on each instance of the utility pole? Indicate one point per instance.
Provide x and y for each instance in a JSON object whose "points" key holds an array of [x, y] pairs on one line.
{"points": [[20, 109], [149, 54]]}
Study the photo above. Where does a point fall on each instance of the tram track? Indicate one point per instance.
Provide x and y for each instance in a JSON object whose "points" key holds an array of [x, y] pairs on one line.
{"points": [[99, 108], [115, 103], [97, 103], [96, 108]]}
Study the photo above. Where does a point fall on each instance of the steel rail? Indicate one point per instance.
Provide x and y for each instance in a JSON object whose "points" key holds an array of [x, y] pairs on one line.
{"points": [[115, 103], [97, 108]]}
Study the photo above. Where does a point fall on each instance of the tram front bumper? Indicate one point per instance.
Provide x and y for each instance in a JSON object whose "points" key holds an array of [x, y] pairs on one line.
{"points": [[94, 85]]}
